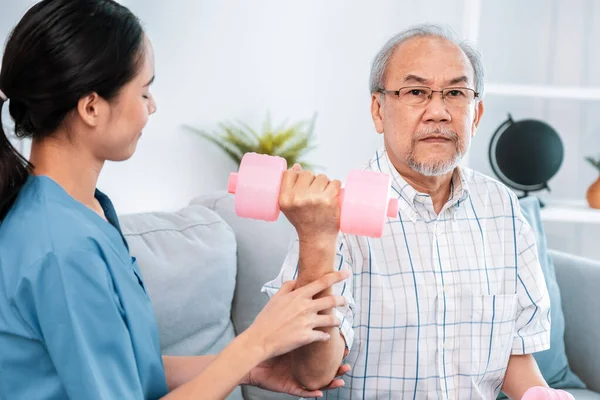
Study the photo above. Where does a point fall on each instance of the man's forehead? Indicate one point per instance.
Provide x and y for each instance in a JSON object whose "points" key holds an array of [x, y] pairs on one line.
{"points": [[429, 58]]}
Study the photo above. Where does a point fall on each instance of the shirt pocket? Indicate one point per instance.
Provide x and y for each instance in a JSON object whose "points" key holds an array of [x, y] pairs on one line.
{"points": [[487, 338]]}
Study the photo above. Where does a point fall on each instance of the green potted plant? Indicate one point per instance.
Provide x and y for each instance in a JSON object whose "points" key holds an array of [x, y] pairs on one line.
{"points": [[593, 192], [289, 142]]}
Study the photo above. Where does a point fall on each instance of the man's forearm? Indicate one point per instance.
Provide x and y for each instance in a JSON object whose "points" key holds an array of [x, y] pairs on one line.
{"points": [[522, 373], [316, 364]]}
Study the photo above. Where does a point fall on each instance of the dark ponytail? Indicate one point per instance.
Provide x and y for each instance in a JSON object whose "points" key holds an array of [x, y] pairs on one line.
{"points": [[13, 170], [61, 51]]}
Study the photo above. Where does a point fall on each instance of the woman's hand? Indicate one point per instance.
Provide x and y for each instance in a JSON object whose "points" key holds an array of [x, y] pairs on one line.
{"points": [[290, 318], [275, 375]]}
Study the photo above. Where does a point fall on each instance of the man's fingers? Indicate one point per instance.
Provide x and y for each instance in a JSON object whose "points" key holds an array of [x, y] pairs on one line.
{"points": [[320, 183], [334, 187], [288, 180], [305, 179]]}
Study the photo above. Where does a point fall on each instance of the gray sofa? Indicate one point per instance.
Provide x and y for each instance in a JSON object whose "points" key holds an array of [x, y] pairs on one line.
{"points": [[204, 268]]}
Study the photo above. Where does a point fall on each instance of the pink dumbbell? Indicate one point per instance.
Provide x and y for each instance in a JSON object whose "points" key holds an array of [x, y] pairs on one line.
{"points": [[364, 200], [544, 393]]}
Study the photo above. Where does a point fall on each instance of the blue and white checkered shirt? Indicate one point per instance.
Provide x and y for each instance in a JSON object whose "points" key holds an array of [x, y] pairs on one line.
{"points": [[440, 302]]}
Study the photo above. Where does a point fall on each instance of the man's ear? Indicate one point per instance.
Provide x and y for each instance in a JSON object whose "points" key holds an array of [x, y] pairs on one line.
{"points": [[377, 111], [477, 117]]}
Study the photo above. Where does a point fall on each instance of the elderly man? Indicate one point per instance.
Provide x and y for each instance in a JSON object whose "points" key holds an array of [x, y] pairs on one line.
{"points": [[451, 302]]}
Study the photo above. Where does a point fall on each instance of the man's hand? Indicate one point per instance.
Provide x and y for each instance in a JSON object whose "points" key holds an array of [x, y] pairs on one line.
{"points": [[276, 375], [311, 204]]}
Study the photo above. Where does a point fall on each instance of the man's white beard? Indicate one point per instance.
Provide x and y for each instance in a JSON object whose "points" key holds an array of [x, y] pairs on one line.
{"points": [[435, 168], [438, 167]]}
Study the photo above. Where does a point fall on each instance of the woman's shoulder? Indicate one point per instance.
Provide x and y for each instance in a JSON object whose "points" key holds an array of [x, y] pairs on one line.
{"points": [[41, 222]]}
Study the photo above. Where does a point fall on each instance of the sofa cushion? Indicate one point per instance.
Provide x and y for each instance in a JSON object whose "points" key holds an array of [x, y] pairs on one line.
{"points": [[262, 247], [579, 279], [188, 263], [582, 394], [553, 362]]}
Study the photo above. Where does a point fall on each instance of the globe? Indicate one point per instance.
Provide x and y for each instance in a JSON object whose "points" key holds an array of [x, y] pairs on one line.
{"points": [[525, 154]]}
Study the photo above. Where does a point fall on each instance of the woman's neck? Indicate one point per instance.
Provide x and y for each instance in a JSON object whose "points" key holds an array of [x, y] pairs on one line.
{"points": [[71, 167]]}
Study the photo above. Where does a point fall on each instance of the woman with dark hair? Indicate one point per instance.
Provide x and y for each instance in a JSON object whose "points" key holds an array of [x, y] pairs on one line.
{"points": [[75, 319]]}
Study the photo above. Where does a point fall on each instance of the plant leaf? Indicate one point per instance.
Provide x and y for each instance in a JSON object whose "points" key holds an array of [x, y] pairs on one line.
{"points": [[267, 124], [594, 162], [282, 138], [249, 130], [238, 138], [235, 155]]}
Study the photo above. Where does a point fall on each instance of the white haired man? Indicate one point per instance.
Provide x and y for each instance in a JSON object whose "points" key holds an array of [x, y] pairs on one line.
{"points": [[451, 302]]}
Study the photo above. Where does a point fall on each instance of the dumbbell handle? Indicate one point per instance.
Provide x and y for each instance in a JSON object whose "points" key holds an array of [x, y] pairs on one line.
{"points": [[232, 183], [392, 208]]}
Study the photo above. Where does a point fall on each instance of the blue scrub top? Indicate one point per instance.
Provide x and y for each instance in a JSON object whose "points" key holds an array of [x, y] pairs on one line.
{"points": [[75, 319]]}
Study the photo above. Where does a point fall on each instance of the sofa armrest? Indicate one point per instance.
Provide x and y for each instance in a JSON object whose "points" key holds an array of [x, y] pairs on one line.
{"points": [[579, 281]]}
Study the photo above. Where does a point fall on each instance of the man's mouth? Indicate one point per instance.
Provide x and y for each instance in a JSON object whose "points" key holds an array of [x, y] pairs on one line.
{"points": [[436, 139]]}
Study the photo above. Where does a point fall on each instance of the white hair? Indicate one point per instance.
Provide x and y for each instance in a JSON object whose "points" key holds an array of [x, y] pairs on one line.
{"points": [[380, 63]]}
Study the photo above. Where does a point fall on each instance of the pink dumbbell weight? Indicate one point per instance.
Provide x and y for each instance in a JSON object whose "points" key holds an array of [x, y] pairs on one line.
{"points": [[543, 393], [364, 200]]}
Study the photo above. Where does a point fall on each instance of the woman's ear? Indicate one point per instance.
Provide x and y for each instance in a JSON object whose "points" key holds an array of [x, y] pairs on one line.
{"points": [[89, 109]]}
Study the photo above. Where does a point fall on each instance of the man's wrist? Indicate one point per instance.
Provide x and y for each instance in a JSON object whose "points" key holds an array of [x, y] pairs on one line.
{"points": [[316, 259], [317, 242]]}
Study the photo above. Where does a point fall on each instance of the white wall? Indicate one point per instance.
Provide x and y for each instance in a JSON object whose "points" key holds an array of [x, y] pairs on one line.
{"points": [[239, 60], [547, 42], [236, 59], [11, 12]]}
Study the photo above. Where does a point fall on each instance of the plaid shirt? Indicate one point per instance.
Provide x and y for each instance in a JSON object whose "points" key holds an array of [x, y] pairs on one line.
{"points": [[440, 302]]}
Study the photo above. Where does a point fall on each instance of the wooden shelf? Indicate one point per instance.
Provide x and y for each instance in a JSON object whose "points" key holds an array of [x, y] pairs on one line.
{"points": [[544, 91], [570, 211]]}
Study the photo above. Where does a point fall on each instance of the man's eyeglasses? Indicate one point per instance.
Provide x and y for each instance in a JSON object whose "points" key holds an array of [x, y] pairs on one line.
{"points": [[421, 95]]}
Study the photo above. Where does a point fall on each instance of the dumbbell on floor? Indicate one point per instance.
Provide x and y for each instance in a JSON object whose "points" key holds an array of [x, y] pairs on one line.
{"points": [[364, 200]]}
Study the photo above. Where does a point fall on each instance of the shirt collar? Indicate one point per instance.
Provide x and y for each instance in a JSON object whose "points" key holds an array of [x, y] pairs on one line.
{"points": [[407, 195]]}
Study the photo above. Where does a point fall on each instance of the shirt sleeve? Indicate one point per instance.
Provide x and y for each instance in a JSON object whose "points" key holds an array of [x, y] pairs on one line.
{"points": [[70, 302], [343, 261], [533, 300]]}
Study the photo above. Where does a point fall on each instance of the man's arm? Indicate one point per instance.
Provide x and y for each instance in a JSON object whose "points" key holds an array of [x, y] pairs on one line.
{"points": [[312, 206], [532, 318], [522, 373], [316, 364], [305, 262]]}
